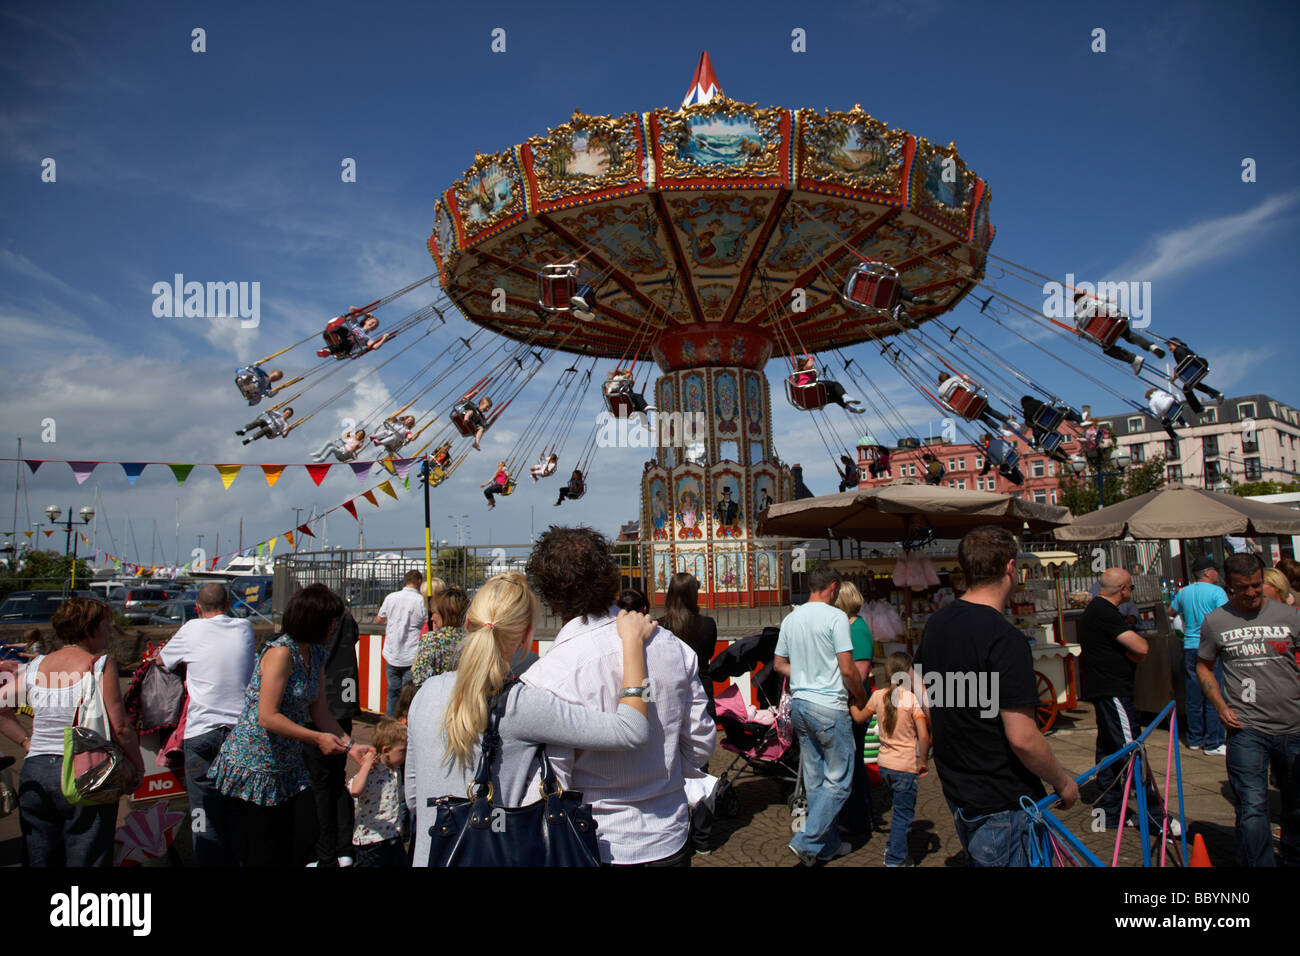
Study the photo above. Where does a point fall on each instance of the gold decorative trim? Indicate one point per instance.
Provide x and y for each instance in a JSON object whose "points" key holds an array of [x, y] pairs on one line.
{"points": [[925, 198], [474, 190]]}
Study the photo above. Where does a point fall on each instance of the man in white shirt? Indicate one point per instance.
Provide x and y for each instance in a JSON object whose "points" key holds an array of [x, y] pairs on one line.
{"points": [[403, 613], [637, 797], [217, 652]]}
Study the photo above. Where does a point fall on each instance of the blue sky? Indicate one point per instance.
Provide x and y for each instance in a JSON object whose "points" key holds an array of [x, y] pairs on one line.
{"points": [[225, 166]]}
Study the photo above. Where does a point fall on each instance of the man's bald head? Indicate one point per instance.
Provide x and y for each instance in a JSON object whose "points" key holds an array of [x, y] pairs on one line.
{"points": [[1113, 580], [213, 599]]}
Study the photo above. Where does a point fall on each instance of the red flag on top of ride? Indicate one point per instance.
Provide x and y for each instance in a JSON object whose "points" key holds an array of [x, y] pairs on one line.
{"points": [[705, 85]]}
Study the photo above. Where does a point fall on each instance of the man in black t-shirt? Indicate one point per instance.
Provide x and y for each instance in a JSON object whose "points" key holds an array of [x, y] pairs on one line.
{"points": [[1111, 650], [980, 694]]}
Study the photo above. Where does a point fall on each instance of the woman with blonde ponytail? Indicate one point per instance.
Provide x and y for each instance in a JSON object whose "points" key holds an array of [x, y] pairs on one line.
{"points": [[450, 712]]}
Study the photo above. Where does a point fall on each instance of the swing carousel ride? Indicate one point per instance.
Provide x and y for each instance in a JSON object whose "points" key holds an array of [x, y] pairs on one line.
{"points": [[708, 240]]}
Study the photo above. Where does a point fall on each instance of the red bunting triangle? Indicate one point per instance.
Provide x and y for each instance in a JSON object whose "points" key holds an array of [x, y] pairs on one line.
{"points": [[34, 463], [305, 530], [348, 505], [48, 533], [318, 473]]}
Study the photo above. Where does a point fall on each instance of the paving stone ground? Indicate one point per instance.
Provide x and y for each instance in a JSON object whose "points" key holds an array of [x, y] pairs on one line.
{"points": [[758, 835]]}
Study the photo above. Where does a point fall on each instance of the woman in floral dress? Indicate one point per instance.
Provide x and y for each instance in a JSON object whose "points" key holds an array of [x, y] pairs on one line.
{"points": [[261, 765], [439, 649]]}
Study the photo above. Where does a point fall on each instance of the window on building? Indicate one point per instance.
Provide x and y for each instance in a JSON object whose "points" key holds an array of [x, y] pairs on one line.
{"points": [[1210, 446], [1250, 443], [1053, 496], [961, 483], [1247, 410], [1037, 468], [1040, 496], [1212, 474], [1253, 471], [1171, 448], [1135, 423], [961, 464], [1211, 416], [1174, 472], [979, 461], [952, 464], [1138, 453], [1051, 468]]}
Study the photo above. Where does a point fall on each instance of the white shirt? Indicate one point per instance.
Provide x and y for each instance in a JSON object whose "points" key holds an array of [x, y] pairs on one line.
{"points": [[951, 384], [638, 797], [1160, 403], [218, 654], [404, 613]]}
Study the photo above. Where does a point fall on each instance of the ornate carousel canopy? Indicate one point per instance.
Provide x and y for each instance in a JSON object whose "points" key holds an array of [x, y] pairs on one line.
{"points": [[719, 213]]}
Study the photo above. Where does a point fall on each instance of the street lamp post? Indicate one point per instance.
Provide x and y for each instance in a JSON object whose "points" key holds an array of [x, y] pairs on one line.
{"points": [[1098, 458], [53, 512]]}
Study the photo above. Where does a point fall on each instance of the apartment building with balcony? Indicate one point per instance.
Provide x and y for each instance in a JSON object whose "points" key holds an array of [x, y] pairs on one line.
{"points": [[1243, 439]]}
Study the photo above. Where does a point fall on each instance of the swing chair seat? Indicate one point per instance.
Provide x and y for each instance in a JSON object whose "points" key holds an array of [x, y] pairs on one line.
{"points": [[1191, 371], [872, 287], [1050, 443], [341, 341], [1048, 418], [809, 397], [509, 488], [967, 403], [437, 475], [1104, 329], [556, 287], [462, 416]]}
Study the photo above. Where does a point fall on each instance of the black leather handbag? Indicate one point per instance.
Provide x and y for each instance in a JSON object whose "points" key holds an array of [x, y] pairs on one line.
{"points": [[557, 831]]}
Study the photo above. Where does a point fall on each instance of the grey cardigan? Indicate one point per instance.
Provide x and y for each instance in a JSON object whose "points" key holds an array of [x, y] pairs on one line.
{"points": [[532, 716]]}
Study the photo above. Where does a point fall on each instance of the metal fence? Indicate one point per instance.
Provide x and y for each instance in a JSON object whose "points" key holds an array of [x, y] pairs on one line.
{"points": [[364, 578]]}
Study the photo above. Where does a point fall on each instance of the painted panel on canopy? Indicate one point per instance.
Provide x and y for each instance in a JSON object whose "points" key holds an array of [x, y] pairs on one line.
{"points": [[689, 504], [853, 150], [728, 569], [693, 561], [729, 509], [812, 226], [726, 403], [943, 187], [716, 230], [721, 140], [490, 192], [626, 233], [585, 155], [659, 506]]}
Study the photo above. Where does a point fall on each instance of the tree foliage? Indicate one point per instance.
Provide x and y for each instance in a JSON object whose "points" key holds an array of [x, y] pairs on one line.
{"points": [[1079, 494], [1251, 488], [42, 571]]}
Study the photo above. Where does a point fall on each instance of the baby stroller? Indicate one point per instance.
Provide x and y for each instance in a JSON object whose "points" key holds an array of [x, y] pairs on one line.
{"points": [[759, 748]]}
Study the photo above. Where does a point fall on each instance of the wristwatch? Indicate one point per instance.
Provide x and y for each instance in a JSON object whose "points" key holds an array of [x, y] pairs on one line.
{"points": [[633, 692]]}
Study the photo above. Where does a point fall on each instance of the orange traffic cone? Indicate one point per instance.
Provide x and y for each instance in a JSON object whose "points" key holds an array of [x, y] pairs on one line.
{"points": [[1199, 855]]}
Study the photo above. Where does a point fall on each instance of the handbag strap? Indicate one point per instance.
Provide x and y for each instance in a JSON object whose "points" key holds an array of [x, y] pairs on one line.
{"points": [[95, 674], [490, 744]]}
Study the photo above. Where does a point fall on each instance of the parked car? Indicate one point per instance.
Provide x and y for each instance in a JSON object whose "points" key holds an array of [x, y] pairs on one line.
{"points": [[24, 608], [174, 613], [138, 604]]}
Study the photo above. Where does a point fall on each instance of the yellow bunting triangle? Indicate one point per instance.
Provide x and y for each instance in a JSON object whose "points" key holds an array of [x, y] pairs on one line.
{"points": [[388, 466], [29, 533], [270, 545], [273, 473], [387, 488], [288, 536], [228, 473]]}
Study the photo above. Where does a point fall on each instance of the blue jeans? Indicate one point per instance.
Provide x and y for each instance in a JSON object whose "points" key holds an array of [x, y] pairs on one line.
{"points": [[993, 839], [397, 678], [903, 785], [1204, 729], [826, 763], [1250, 753], [215, 830], [57, 833]]}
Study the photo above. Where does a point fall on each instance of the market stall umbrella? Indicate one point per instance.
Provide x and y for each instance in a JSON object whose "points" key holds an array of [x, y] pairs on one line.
{"points": [[899, 510], [1177, 512]]}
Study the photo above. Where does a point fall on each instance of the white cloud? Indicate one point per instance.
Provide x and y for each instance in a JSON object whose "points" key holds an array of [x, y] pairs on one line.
{"points": [[1211, 240]]}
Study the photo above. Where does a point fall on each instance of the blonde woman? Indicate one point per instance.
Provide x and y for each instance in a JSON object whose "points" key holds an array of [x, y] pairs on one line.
{"points": [[1277, 587], [856, 816], [450, 711]]}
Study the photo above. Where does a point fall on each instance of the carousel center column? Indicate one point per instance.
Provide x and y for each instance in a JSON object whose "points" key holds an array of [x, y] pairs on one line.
{"points": [[714, 469]]}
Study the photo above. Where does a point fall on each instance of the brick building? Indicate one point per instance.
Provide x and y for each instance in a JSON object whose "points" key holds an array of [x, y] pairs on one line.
{"points": [[965, 461]]}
